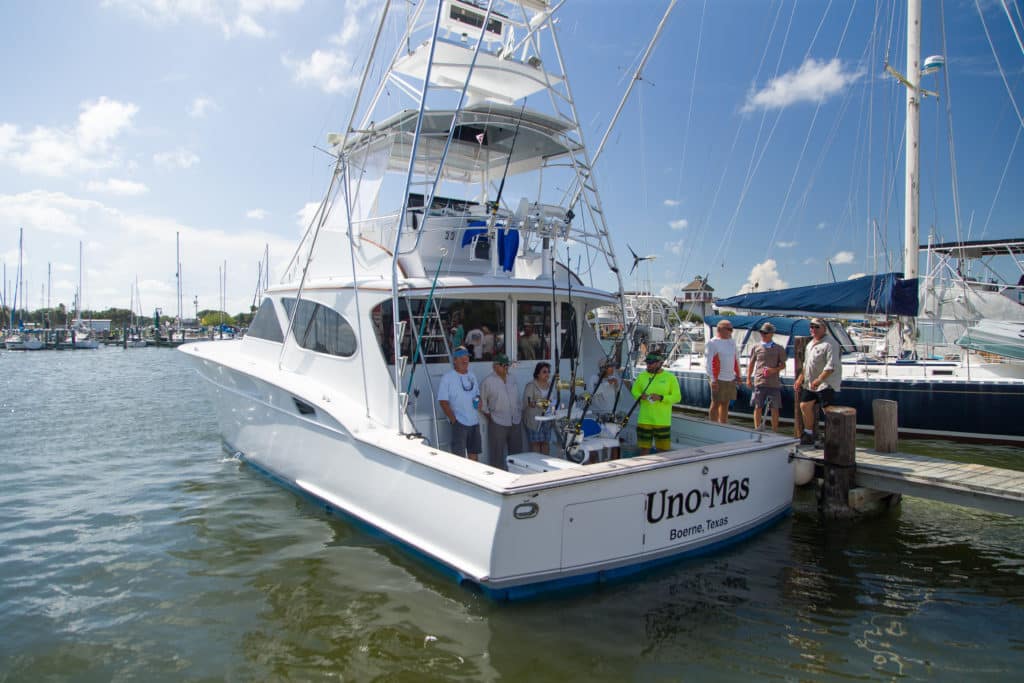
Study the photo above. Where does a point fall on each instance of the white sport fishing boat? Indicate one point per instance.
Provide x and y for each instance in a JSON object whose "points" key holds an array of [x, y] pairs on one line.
{"points": [[314, 395]]}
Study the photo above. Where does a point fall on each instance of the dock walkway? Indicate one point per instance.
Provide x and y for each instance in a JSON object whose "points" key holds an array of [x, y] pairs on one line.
{"points": [[978, 486]]}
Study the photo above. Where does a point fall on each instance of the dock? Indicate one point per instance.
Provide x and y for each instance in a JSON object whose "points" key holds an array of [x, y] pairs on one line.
{"points": [[987, 488]]}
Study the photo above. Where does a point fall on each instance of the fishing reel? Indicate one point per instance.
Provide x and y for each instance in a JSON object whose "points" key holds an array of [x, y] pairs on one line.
{"points": [[542, 403]]}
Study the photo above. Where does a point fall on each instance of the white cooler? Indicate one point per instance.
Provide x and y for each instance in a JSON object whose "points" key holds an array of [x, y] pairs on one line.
{"points": [[532, 463]]}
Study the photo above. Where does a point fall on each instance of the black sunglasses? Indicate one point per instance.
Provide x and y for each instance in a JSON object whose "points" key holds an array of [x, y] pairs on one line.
{"points": [[815, 326]]}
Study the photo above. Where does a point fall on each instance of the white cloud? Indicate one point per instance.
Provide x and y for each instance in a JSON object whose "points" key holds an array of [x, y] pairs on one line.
{"points": [[856, 275], [256, 214], [809, 261], [55, 222], [102, 121], [785, 245], [118, 187], [47, 212], [232, 17], [763, 277], [674, 247], [813, 81], [201, 106], [822, 225], [678, 224], [88, 145], [671, 202], [843, 257], [333, 69], [178, 158]]}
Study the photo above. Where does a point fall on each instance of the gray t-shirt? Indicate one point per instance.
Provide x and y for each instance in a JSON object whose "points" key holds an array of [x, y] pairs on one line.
{"points": [[821, 356], [773, 356]]}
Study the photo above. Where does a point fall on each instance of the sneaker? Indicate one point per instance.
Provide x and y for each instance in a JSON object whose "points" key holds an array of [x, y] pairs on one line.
{"points": [[806, 439]]}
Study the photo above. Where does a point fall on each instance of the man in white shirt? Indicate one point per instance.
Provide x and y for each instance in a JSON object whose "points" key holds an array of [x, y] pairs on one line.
{"points": [[459, 398], [722, 366], [820, 378]]}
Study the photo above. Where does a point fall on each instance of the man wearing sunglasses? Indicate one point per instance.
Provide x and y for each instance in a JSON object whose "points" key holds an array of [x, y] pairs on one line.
{"points": [[459, 398], [820, 377]]}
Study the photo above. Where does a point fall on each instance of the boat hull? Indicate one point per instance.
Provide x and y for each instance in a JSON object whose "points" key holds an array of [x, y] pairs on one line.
{"points": [[513, 536], [969, 410]]}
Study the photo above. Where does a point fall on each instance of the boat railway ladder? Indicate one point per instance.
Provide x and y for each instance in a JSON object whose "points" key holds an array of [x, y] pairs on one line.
{"points": [[432, 344], [979, 486]]}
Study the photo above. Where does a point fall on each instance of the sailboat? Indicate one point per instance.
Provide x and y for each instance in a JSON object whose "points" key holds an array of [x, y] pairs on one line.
{"points": [[943, 388], [133, 337], [20, 340], [81, 333], [417, 247]]}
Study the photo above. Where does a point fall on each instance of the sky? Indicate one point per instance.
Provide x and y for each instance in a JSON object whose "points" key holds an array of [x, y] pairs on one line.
{"points": [[763, 145]]}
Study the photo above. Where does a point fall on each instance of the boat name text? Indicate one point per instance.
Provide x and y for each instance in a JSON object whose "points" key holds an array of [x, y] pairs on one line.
{"points": [[664, 505]]}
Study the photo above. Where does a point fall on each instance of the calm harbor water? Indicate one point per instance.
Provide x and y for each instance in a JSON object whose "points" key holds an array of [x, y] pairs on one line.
{"points": [[133, 547]]}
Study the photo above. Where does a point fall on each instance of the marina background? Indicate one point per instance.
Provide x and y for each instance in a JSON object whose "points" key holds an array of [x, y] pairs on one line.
{"points": [[133, 546], [760, 147]]}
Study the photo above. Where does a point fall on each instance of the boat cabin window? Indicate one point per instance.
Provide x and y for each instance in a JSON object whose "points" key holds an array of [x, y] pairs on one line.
{"points": [[266, 325], [321, 329], [533, 320], [569, 347], [479, 325]]}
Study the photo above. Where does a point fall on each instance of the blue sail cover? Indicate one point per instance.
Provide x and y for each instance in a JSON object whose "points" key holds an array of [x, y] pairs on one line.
{"points": [[886, 294], [791, 327]]}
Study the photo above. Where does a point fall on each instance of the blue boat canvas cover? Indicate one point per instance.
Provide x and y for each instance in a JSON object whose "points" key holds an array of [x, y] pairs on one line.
{"points": [[884, 294]]}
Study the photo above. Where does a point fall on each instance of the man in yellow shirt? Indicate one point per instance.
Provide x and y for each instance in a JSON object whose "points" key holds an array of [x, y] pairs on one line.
{"points": [[657, 391]]}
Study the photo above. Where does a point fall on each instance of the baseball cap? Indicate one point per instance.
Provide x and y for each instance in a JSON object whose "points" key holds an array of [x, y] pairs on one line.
{"points": [[653, 358], [501, 359], [460, 352]]}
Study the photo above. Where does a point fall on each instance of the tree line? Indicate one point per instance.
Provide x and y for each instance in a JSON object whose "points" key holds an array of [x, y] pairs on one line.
{"points": [[59, 316]]}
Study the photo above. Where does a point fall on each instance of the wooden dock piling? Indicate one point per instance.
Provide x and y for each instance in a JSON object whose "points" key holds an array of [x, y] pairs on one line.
{"points": [[886, 425], [840, 461]]}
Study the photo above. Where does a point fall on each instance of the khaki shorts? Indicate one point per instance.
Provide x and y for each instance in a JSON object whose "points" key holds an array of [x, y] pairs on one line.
{"points": [[726, 392]]}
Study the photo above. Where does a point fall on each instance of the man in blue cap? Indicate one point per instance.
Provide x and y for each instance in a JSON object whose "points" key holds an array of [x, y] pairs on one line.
{"points": [[459, 397]]}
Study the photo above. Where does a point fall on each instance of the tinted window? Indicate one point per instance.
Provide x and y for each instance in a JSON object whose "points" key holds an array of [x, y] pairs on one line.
{"points": [[321, 329], [570, 332], [534, 321], [265, 325], [475, 324]]}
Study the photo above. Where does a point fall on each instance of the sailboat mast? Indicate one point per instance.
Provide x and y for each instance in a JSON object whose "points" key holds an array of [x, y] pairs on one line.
{"points": [[913, 154], [177, 274], [78, 297]]}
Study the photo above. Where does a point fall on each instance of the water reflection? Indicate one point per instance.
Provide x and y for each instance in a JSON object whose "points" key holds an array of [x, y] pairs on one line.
{"points": [[147, 554]]}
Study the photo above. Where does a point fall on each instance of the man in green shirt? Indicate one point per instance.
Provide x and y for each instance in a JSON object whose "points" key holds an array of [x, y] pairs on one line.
{"points": [[657, 392]]}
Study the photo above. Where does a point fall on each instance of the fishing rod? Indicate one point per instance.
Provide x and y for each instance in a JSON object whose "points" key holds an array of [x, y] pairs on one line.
{"points": [[554, 311], [493, 206], [574, 339]]}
